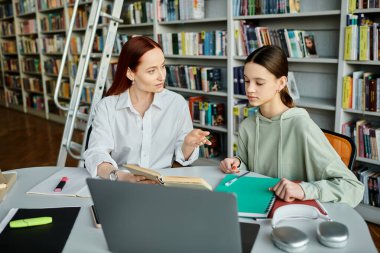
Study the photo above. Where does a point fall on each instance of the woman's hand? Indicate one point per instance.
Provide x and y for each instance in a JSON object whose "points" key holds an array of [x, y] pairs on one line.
{"points": [[104, 170], [129, 177], [288, 190], [194, 139], [230, 165]]}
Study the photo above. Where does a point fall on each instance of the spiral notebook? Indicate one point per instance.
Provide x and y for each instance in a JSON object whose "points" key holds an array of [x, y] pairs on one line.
{"points": [[253, 196]]}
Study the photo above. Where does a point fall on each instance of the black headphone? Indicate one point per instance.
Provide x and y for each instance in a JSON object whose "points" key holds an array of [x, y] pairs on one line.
{"points": [[290, 239]]}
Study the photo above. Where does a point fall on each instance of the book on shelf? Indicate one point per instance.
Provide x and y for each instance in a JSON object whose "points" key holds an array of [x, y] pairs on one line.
{"points": [[254, 198], [171, 181], [294, 6], [292, 86], [309, 45]]}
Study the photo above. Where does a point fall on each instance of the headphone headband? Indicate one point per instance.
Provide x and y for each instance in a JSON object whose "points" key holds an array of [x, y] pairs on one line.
{"points": [[297, 211]]}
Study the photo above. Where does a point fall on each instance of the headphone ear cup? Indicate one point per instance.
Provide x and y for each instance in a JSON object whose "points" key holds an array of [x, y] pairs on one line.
{"points": [[332, 234], [289, 239]]}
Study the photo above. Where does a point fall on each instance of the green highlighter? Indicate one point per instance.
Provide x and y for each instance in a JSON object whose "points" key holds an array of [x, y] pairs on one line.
{"points": [[30, 222]]}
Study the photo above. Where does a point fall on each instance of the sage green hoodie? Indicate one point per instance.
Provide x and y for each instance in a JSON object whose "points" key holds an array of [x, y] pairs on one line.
{"points": [[292, 146]]}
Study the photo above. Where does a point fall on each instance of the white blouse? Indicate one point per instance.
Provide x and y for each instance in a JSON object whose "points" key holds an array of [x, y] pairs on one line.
{"points": [[120, 135]]}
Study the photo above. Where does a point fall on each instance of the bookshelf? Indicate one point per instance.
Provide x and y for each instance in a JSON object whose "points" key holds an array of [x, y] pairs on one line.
{"points": [[354, 112]]}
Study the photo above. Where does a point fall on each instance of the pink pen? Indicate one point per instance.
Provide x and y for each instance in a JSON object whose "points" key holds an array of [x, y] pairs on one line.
{"points": [[61, 184]]}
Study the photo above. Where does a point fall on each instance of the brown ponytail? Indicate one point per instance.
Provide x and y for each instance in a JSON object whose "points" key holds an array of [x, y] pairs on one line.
{"points": [[275, 61]]}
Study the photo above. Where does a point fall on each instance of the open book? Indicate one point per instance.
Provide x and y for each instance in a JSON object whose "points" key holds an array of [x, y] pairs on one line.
{"points": [[189, 182]]}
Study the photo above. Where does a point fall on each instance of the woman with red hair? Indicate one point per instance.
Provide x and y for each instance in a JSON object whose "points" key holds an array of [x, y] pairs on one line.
{"points": [[139, 121]]}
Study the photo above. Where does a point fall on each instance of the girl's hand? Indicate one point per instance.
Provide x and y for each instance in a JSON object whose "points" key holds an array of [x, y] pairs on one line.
{"points": [[288, 190], [230, 165]]}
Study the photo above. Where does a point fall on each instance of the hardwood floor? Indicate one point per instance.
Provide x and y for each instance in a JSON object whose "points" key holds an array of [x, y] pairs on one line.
{"points": [[30, 141]]}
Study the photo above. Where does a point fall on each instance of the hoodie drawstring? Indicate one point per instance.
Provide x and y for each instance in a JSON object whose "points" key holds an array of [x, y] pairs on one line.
{"points": [[279, 155], [256, 159]]}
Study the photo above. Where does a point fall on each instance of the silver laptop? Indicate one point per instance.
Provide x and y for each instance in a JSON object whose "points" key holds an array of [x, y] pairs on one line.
{"points": [[153, 218]]}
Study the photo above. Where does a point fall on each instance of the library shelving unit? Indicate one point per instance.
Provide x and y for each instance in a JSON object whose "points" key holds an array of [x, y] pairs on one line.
{"points": [[214, 21], [13, 92], [29, 57], [316, 78], [6, 29], [347, 67]]}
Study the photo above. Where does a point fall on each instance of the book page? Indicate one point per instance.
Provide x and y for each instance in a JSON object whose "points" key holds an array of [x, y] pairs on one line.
{"points": [[188, 182], [74, 187]]}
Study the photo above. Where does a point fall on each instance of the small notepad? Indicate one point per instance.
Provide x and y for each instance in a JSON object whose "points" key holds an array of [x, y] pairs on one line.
{"points": [[253, 196]]}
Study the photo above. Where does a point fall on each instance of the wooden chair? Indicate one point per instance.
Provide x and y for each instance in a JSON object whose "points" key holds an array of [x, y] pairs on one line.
{"points": [[343, 145]]}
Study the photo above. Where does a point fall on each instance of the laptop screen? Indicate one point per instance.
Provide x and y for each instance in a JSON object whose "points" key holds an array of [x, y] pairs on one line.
{"points": [[145, 218]]}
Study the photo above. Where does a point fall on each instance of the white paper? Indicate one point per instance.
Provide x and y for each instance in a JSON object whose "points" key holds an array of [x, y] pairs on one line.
{"points": [[76, 185], [7, 219]]}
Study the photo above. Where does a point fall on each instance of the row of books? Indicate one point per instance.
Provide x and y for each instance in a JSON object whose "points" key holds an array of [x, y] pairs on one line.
{"points": [[65, 88], [13, 97], [366, 4], [172, 10], [52, 22], [92, 69], [81, 19], [120, 40], [87, 95], [25, 6], [28, 45], [370, 177], [6, 10], [295, 43], [256, 7], [54, 43], [12, 81], [366, 136], [10, 64], [194, 77], [7, 28], [48, 4], [241, 111], [194, 43], [76, 42], [32, 84], [137, 13], [28, 26], [35, 101], [9, 47], [52, 65], [361, 40], [31, 65], [207, 113], [361, 91]]}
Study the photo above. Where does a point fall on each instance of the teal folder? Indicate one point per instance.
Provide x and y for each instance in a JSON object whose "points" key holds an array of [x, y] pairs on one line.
{"points": [[253, 196]]}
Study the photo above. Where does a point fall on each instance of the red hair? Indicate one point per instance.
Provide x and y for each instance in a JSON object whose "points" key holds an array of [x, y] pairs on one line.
{"points": [[129, 57]]}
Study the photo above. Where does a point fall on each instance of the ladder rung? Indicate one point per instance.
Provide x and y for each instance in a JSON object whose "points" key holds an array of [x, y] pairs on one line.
{"points": [[89, 85], [76, 146], [106, 15], [82, 116]]}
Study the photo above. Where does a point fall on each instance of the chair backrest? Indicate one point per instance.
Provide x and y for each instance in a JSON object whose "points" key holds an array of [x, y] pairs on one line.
{"points": [[343, 145]]}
